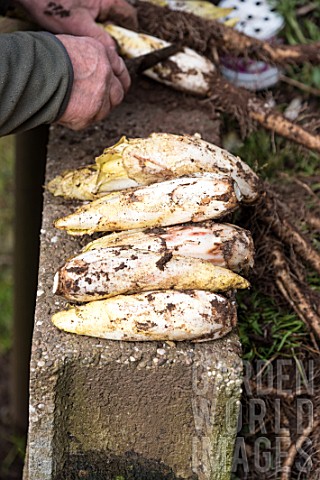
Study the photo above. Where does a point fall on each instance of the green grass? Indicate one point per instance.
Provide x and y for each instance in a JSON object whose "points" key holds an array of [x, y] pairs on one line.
{"points": [[14, 454], [6, 240], [313, 279], [300, 30], [265, 329], [268, 156]]}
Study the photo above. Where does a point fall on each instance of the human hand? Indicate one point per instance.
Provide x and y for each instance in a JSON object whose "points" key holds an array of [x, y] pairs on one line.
{"points": [[77, 17], [100, 81]]}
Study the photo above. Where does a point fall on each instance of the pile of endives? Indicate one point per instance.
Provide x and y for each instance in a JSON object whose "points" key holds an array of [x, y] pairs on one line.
{"points": [[160, 274]]}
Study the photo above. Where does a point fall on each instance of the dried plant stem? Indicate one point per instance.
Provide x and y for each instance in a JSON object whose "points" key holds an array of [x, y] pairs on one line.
{"points": [[294, 449], [274, 121], [273, 215], [301, 86], [274, 392], [292, 292], [285, 434], [248, 108], [302, 184], [305, 9], [312, 220], [300, 244]]}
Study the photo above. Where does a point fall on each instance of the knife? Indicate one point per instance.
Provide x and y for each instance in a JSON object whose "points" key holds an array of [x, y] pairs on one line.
{"points": [[139, 64]]}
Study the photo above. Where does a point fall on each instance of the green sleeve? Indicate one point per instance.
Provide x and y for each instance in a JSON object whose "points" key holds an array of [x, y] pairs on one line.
{"points": [[36, 78]]}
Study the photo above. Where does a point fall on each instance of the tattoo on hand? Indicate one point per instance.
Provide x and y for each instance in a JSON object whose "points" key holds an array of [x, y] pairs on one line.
{"points": [[57, 10]]}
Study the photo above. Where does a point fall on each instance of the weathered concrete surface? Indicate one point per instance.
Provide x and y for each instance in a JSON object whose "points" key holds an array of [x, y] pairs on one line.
{"points": [[106, 410]]}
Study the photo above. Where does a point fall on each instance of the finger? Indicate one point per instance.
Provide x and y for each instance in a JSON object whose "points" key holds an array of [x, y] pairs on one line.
{"points": [[116, 93], [104, 110], [125, 80], [120, 11], [116, 61], [106, 107], [119, 68], [75, 126], [113, 97]]}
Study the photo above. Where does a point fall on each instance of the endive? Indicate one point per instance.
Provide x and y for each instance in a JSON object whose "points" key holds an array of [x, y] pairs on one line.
{"points": [[168, 315], [111, 271], [142, 161], [186, 70], [222, 244], [195, 198]]}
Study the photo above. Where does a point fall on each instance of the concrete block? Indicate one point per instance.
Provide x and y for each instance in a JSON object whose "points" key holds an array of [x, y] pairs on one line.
{"points": [[115, 410]]}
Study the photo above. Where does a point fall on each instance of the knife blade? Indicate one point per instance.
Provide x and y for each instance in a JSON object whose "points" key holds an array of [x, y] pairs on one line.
{"points": [[139, 64]]}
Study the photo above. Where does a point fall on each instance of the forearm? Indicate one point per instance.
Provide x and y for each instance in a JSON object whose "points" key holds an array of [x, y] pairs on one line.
{"points": [[36, 78]]}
